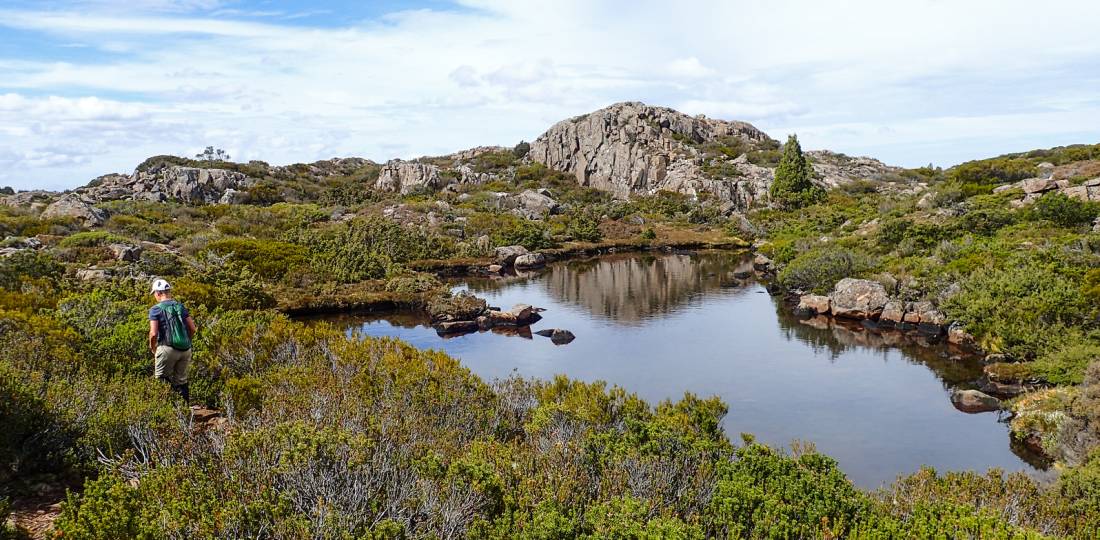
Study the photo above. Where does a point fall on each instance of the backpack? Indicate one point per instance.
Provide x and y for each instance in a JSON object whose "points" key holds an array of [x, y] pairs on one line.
{"points": [[177, 337]]}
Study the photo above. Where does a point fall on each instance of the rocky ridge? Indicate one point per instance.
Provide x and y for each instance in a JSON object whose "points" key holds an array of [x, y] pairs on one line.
{"points": [[626, 148]]}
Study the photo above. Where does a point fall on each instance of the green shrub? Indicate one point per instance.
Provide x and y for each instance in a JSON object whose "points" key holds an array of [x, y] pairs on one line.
{"points": [[1024, 304], [1067, 363], [32, 439], [1080, 487], [663, 203], [7, 532], [584, 226], [369, 248], [114, 325], [21, 266], [509, 230], [820, 268], [108, 509], [216, 283], [1065, 211], [992, 171], [160, 263], [267, 259], [767, 494], [91, 239], [414, 283]]}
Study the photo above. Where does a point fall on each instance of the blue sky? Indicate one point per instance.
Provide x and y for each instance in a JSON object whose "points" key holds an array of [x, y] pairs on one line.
{"points": [[89, 87]]}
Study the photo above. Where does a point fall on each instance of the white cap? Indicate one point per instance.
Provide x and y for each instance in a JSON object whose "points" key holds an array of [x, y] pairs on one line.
{"points": [[160, 285]]}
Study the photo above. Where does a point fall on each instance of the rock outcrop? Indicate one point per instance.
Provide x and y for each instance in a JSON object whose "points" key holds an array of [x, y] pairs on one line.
{"points": [[630, 148], [635, 148], [75, 206], [408, 176], [858, 299], [529, 203], [1053, 180], [834, 169], [163, 182]]}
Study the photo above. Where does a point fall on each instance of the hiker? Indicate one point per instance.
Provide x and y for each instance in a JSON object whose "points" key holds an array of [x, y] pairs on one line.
{"points": [[170, 331]]}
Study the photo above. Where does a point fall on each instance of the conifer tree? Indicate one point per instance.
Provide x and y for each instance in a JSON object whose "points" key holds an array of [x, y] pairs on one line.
{"points": [[792, 187]]}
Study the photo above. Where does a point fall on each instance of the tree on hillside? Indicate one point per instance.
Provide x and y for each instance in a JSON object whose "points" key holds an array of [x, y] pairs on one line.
{"points": [[213, 154], [792, 187]]}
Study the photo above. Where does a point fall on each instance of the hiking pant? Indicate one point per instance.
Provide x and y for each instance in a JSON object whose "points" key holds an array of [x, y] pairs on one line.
{"points": [[171, 365]]}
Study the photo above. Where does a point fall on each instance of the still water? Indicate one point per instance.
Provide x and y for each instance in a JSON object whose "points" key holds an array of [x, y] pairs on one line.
{"points": [[661, 325]]}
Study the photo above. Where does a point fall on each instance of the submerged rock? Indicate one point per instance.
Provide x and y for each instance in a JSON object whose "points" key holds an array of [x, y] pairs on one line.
{"points": [[974, 401], [557, 335], [456, 327]]}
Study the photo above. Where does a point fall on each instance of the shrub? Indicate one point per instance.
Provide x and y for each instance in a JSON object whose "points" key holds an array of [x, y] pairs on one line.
{"points": [[764, 493], [368, 248], [114, 327], [584, 226], [992, 171], [820, 268], [21, 266], [32, 440], [217, 283], [108, 509], [414, 283], [1024, 304], [91, 239], [160, 263], [1067, 363], [266, 258], [1065, 211], [663, 203], [1091, 286], [509, 230], [1080, 487]]}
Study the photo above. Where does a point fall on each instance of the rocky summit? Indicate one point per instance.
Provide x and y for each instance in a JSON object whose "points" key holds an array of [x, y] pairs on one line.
{"points": [[632, 147], [625, 149]]}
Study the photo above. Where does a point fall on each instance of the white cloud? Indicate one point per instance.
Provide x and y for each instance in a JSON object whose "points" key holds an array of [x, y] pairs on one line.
{"points": [[689, 67], [867, 76]]}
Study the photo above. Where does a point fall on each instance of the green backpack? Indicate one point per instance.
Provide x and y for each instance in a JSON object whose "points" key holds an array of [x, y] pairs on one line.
{"points": [[178, 338]]}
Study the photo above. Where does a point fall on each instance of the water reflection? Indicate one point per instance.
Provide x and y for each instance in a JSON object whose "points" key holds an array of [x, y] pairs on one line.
{"points": [[630, 288], [662, 325]]}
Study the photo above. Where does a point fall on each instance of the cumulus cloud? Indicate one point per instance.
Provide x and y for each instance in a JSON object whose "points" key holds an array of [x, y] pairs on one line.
{"points": [[894, 78]]}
